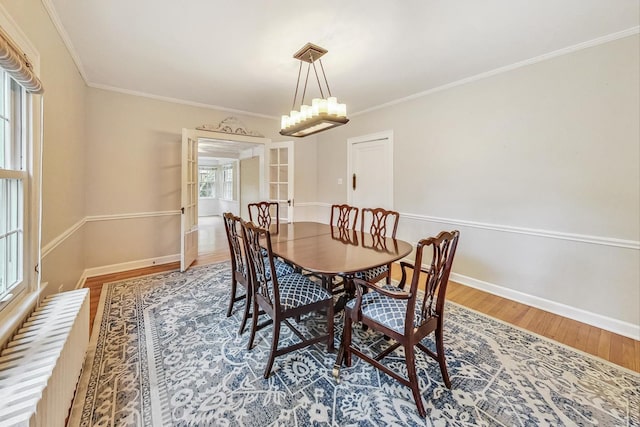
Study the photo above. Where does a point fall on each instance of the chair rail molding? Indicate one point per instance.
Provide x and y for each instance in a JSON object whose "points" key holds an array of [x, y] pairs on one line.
{"points": [[574, 237], [54, 243], [549, 234]]}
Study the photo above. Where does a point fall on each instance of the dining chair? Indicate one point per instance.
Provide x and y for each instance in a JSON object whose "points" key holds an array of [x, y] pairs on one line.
{"points": [[343, 223], [380, 224], [344, 216], [240, 268], [407, 316], [282, 298], [264, 214]]}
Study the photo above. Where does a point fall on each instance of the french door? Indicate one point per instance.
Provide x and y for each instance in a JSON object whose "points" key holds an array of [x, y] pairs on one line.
{"points": [[189, 209], [280, 176]]}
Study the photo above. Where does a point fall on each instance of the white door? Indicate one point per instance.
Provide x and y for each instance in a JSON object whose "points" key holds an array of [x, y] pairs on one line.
{"points": [[189, 217], [370, 171], [280, 158]]}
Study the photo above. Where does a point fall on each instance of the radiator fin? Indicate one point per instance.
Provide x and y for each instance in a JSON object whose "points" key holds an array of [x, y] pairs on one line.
{"points": [[40, 366]]}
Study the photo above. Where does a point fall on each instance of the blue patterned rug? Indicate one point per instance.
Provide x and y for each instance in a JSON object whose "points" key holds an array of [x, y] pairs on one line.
{"points": [[163, 353]]}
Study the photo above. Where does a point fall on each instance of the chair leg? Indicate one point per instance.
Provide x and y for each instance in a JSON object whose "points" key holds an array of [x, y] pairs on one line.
{"points": [[233, 296], [346, 337], [441, 358], [274, 348], [254, 322], [413, 378], [389, 274], [330, 346], [247, 305]]}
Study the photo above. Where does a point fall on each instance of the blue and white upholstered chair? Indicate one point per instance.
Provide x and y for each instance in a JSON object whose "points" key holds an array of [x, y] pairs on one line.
{"points": [[240, 267], [407, 316], [282, 297]]}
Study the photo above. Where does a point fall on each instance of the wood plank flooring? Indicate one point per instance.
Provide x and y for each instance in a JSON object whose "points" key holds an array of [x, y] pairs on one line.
{"points": [[615, 348]]}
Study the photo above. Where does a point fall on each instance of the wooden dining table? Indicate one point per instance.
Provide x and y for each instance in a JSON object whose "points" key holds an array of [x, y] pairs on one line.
{"points": [[329, 251]]}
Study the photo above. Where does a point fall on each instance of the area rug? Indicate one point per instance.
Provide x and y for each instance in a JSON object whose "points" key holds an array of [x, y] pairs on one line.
{"points": [[163, 353]]}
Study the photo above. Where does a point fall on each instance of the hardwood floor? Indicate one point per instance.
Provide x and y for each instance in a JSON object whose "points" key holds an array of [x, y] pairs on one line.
{"points": [[615, 348]]}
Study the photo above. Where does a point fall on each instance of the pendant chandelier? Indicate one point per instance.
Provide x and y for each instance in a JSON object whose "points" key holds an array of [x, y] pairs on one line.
{"points": [[323, 113]]}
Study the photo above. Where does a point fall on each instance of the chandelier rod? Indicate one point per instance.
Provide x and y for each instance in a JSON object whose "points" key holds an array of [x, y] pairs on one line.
{"points": [[295, 95], [325, 77], [318, 78], [305, 86]]}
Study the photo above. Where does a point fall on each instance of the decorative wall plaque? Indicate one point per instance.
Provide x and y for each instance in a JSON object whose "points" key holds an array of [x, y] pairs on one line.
{"points": [[231, 125]]}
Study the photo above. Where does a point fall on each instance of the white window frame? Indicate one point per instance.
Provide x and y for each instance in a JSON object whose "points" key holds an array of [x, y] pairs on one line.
{"points": [[15, 209], [214, 183], [227, 184], [12, 312]]}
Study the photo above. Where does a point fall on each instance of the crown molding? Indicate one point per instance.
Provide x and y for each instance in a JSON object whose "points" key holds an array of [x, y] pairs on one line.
{"points": [[566, 50], [55, 19], [76, 58], [178, 101]]}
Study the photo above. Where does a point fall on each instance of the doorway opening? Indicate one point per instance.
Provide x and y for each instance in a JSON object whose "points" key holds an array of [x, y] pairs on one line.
{"points": [[228, 179]]}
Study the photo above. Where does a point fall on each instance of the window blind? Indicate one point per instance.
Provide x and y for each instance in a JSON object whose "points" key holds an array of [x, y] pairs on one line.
{"points": [[17, 65]]}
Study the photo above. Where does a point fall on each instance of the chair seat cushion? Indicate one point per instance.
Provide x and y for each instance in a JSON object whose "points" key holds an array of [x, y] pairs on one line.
{"points": [[372, 273], [385, 310], [282, 268], [297, 290]]}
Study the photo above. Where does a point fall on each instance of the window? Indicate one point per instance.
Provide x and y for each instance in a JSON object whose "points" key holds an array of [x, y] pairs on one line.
{"points": [[207, 181], [14, 179], [227, 182]]}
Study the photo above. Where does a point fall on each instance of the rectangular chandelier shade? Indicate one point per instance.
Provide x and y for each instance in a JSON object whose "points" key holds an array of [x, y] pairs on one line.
{"points": [[323, 113]]}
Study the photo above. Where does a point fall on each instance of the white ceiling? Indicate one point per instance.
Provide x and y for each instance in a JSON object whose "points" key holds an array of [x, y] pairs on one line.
{"points": [[238, 54]]}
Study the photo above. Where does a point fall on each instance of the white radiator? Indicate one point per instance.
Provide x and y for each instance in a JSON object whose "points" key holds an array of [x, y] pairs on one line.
{"points": [[40, 367]]}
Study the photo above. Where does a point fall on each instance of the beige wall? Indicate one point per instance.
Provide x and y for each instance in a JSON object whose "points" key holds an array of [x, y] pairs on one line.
{"points": [[552, 146], [133, 167], [64, 142]]}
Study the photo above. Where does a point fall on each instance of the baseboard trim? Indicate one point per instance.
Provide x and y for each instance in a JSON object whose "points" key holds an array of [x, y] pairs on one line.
{"points": [[607, 323], [125, 266]]}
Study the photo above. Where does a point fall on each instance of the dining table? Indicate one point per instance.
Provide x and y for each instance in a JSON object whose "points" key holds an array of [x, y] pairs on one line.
{"points": [[326, 250]]}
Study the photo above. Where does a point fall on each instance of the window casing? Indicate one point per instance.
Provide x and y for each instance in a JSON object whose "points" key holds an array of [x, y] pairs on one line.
{"points": [[14, 189], [207, 181], [227, 182]]}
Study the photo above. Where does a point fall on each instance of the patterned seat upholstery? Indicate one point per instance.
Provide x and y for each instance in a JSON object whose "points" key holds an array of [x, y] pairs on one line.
{"points": [[372, 273], [387, 311], [297, 290], [282, 268]]}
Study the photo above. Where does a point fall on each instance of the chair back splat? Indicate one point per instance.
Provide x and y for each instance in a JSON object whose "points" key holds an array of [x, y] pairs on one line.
{"points": [[380, 224], [407, 315], [264, 214], [344, 216]]}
